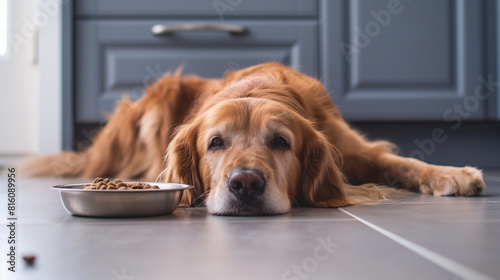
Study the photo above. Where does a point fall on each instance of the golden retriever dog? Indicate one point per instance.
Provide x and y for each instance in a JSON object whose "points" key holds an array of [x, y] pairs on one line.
{"points": [[253, 143]]}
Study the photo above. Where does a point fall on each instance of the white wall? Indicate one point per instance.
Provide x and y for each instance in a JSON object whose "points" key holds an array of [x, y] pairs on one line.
{"points": [[30, 93], [49, 91]]}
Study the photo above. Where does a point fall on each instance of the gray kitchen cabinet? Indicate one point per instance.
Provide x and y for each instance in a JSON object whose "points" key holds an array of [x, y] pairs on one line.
{"points": [[406, 60], [117, 57], [405, 64]]}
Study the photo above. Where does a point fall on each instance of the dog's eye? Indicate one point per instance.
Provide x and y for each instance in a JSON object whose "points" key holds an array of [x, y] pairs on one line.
{"points": [[280, 143], [216, 143]]}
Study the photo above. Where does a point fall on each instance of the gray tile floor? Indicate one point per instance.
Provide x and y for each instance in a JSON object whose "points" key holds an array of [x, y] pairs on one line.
{"points": [[412, 237]]}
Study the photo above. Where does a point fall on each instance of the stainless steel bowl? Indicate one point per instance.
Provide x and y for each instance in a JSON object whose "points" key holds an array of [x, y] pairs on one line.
{"points": [[121, 203]]}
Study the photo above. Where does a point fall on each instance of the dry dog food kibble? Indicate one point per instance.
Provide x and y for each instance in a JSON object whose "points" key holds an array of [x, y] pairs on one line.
{"points": [[29, 259], [117, 184]]}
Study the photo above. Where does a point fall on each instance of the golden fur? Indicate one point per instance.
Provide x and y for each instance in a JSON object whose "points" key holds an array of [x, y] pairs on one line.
{"points": [[165, 135]]}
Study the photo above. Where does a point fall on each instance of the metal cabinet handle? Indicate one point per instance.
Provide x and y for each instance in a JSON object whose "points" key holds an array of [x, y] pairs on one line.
{"points": [[159, 29]]}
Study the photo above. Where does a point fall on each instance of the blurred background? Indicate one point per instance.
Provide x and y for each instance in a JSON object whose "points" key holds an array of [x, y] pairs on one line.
{"points": [[424, 74]]}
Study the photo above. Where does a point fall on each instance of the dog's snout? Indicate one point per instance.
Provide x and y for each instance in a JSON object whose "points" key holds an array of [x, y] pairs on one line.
{"points": [[245, 183]]}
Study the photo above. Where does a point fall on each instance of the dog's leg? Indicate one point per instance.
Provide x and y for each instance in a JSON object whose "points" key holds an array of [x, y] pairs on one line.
{"points": [[412, 174], [376, 162]]}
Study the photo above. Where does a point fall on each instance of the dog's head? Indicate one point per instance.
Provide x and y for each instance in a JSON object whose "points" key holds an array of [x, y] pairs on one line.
{"points": [[253, 155]]}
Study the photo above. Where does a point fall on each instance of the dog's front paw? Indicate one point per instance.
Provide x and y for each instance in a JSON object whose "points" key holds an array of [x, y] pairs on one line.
{"points": [[444, 181]]}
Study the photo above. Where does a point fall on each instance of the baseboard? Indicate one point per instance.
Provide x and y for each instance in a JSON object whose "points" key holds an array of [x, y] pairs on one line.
{"points": [[474, 144]]}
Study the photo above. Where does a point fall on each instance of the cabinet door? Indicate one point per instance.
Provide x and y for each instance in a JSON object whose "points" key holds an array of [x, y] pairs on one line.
{"points": [[117, 57], [404, 59]]}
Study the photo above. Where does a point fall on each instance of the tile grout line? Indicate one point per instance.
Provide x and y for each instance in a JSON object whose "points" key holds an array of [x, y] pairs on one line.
{"points": [[115, 222], [439, 260]]}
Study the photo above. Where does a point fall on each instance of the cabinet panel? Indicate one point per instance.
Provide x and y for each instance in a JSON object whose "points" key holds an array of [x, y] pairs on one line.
{"points": [[412, 51], [118, 57], [404, 60], [217, 8]]}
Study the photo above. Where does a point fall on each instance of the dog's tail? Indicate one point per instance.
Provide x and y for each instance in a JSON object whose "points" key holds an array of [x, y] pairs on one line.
{"points": [[65, 164]]}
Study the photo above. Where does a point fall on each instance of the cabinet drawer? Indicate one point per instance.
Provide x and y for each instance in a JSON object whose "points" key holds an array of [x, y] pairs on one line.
{"points": [[217, 8], [118, 57]]}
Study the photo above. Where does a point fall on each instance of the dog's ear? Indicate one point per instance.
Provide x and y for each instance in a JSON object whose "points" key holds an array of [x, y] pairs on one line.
{"points": [[182, 162], [322, 182]]}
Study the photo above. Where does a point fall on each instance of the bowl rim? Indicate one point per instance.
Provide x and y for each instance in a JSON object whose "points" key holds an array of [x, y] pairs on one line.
{"points": [[73, 188]]}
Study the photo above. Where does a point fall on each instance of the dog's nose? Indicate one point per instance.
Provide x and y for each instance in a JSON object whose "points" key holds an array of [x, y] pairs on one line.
{"points": [[246, 183]]}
